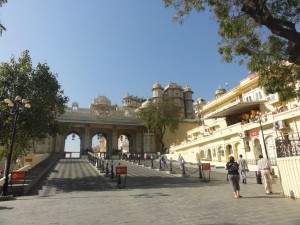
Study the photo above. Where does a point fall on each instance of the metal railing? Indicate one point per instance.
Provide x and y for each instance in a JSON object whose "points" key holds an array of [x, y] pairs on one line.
{"points": [[107, 166], [287, 147]]}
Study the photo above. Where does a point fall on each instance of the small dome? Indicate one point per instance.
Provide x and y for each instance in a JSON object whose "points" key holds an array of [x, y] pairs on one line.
{"points": [[102, 100], [187, 88], [157, 85], [126, 95], [220, 91], [145, 104], [173, 85], [201, 101], [75, 104]]}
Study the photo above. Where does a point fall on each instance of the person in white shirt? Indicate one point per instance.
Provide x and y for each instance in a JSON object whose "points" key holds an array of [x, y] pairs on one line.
{"points": [[264, 167]]}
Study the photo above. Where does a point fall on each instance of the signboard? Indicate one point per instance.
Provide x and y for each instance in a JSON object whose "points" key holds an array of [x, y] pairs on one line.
{"points": [[121, 170], [254, 133], [18, 175], [28, 160], [205, 166]]}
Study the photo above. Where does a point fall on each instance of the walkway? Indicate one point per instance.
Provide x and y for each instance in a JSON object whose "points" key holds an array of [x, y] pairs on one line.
{"points": [[76, 193]]}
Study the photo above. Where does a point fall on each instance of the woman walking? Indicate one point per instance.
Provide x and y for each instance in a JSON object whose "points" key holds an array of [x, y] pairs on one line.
{"points": [[234, 176]]}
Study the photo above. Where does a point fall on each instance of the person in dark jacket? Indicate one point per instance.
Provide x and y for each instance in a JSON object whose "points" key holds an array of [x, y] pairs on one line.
{"points": [[234, 176]]}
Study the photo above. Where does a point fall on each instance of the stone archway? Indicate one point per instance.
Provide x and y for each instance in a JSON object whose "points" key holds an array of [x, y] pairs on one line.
{"points": [[208, 157], [71, 144], [198, 157], [220, 153], [202, 155], [237, 150], [228, 152]]}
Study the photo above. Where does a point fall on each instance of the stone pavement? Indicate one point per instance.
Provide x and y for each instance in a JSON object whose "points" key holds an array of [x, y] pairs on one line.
{"points": [[75, 193]]}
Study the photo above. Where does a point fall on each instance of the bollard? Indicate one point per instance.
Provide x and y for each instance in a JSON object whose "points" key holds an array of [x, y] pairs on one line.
{"points": [[121, 170], [112, 175], [171, 169], [183, 169], [200, 169], [98, 163], [159, 164], [152, 166], [107, 172], [119, 182], [102, 165]]}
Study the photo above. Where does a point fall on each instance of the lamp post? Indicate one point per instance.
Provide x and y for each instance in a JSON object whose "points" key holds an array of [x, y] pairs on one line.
{"points": [[258, 118], [16, 107]]}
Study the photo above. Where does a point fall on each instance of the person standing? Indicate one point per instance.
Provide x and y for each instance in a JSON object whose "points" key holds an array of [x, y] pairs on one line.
{"points": [[180, 161], [163, 159], [243, 167], [234, 176], [264, 167]]}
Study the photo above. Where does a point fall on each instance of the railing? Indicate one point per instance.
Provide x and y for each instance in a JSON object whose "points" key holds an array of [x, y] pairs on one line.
{"points": [[70, 154], [107, 166], [287, 147]]}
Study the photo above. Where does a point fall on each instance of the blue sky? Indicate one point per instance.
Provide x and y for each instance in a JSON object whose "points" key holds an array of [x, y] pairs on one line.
{"points": [[114, 47]]}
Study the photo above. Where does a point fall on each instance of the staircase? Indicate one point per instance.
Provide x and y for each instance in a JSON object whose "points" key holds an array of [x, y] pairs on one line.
{"points": [[33, 176]]}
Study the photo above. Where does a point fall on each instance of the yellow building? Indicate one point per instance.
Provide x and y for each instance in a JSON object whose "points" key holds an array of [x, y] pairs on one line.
{"points": [[244, 121]]}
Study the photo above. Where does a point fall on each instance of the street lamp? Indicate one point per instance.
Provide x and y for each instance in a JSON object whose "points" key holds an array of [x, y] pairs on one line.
{"points": [[16, 107], [260, 118]]}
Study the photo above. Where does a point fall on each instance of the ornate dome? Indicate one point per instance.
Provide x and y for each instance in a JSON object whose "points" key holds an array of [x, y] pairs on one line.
{"points": [[102, 100], [157, 85]]}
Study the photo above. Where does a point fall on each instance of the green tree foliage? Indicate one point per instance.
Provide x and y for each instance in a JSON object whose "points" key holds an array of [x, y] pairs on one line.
{"points": [[261, 33], [40, 87], [160, 115], [2, 28]]}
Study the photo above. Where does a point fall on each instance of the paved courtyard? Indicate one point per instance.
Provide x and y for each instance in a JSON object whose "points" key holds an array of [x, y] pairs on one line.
{"points": [[75, 193]]}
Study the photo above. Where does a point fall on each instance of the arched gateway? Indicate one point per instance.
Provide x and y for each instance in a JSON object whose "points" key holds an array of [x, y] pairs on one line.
{"points": [[101, 119]]}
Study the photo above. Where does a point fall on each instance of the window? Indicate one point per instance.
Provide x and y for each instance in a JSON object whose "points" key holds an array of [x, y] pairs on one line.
{"points": [[258, 96]]}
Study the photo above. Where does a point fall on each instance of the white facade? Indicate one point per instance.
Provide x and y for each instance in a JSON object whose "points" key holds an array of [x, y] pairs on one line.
{"points": [[237, 122]]}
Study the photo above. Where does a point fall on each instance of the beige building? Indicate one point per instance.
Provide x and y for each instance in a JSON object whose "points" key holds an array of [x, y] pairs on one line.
{"points": [[182, 97], [245, 121], [240, 121]]}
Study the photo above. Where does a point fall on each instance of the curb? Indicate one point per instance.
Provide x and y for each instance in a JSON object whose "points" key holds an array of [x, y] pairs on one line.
{"points": [[7, 198]]}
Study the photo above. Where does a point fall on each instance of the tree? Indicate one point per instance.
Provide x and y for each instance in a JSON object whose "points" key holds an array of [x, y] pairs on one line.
{"points": [[160, 115], [40, 87], [1, 26], [261, 33]]}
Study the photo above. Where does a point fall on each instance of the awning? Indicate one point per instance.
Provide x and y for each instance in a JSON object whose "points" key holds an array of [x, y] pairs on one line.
{"points": [[237, 109]]}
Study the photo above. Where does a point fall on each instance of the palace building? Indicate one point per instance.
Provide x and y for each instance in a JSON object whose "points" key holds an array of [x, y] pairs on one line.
{"points": [[244, 121]]}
